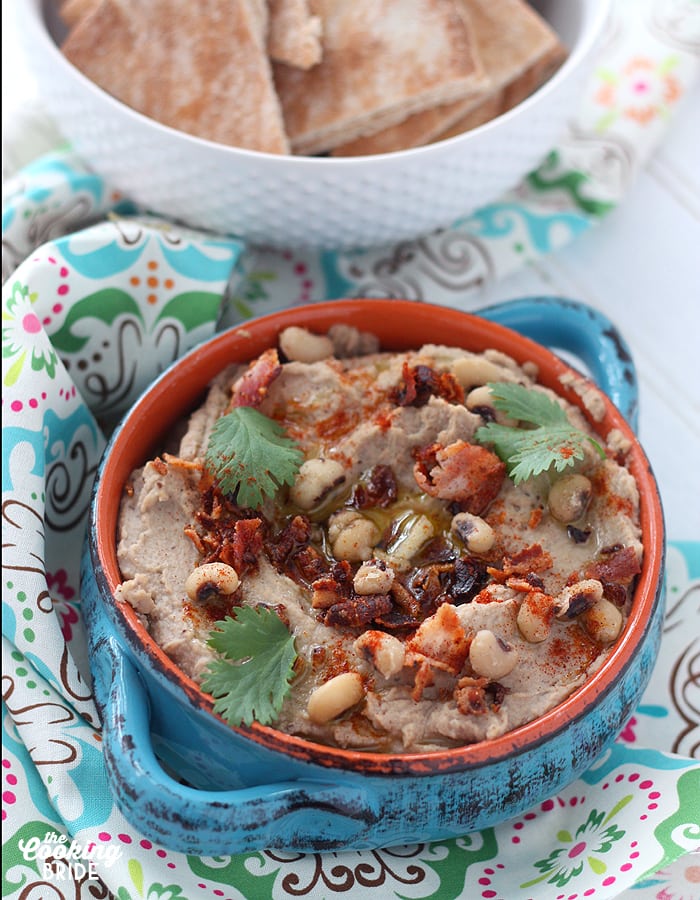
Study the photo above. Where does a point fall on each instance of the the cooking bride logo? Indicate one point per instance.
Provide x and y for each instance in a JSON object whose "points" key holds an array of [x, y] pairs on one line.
{"points": [[59, 859]]}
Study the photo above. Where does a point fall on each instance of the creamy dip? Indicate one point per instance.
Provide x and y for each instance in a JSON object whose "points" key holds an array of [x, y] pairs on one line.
{"points": [[432, 601]]}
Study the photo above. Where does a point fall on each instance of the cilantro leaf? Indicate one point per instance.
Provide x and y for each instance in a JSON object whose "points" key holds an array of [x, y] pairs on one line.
{"points": [[251, 454], [251, 679], [526, 405], [552, 442]]}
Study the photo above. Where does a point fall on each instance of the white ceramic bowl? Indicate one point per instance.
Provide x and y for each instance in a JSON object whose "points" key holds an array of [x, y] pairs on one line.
{"points": [[300, 201]]}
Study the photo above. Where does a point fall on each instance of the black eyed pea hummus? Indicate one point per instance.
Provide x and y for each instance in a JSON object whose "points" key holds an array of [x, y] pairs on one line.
{"points": [[432, 601]]}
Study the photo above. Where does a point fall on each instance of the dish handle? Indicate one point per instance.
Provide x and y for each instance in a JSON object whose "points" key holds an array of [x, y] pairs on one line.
{"points": [[298, 814], [563, 324]]}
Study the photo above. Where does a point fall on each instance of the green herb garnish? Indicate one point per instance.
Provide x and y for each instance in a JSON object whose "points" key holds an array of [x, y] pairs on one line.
{"points": [[251, 454], [549, 441], [251, 679]]}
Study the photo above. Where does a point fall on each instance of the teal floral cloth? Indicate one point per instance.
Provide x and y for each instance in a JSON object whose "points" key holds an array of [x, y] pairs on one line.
{"points": [[98, 298]]}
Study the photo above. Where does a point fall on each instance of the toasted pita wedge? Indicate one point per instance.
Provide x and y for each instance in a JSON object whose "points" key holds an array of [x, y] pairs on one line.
{"points": [[509, 96], [295, 35], [72, 11], [518, 50], [261, 17], [382, 60], [202, 67]]}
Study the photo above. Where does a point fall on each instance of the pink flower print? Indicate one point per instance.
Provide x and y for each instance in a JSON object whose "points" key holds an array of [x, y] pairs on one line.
{"points": [[627, 734], [69, 618], [594, 838], [22, 335], [642, 91], [61, 592], [58, 582]]}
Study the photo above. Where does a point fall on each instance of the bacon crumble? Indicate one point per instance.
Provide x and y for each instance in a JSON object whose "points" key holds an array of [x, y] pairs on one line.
{"points": [[420, 383]]}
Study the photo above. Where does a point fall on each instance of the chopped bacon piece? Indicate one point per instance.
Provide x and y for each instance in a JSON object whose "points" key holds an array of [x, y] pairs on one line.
{"points": [[405, 600], [225, 533], [338, 603], [333, 587], [380, 489], [357, 611], [420, 383], [424, 678], [535, 517], [326, 592], [618, 567], [525, 583], [467, 474], [191, 533], [241, 545], [529, 559], [397, 619], [442, 640], [470, 696], [426, 459], [343, 574], [431, 583], [615, 593], [251, 388], [453, 582], [160, 466], [289, 550], [296, 533], [184, 465], [469, 578], [310, 563], [495, 694]]}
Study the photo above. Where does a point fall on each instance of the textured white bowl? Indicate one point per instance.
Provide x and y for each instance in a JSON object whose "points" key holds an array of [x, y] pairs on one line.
{"points": [[314, 202]]}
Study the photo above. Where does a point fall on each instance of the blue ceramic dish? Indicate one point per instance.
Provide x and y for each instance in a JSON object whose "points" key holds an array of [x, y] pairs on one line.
{"points": [[193, 783]]}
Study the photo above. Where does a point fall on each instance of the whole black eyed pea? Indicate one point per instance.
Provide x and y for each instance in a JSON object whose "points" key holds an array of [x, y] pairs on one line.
{"points": [[211, 578], [340, 520], [334, 697], [480, 400], [386, 652], [501, 359], [471, 371], [576, 598], [316, 479], [302, 345], [569, 498], [411, 537], [491, 656], [534, 618], [352, 536], [373, 577], [603, 621], [477, 534]]}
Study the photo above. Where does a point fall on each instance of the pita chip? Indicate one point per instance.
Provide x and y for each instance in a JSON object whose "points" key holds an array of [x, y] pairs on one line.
{"points": [[294, 35], [72, 11], [508, 97], [382, 60], [518, 50], [202, 67], [261, 17]]}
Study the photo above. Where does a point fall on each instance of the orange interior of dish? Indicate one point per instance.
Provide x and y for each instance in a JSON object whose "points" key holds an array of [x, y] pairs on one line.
{"points": [[399, 325]]}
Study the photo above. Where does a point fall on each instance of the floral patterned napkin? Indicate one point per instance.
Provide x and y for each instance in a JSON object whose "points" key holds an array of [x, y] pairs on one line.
{"points": [[98, 298]]}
